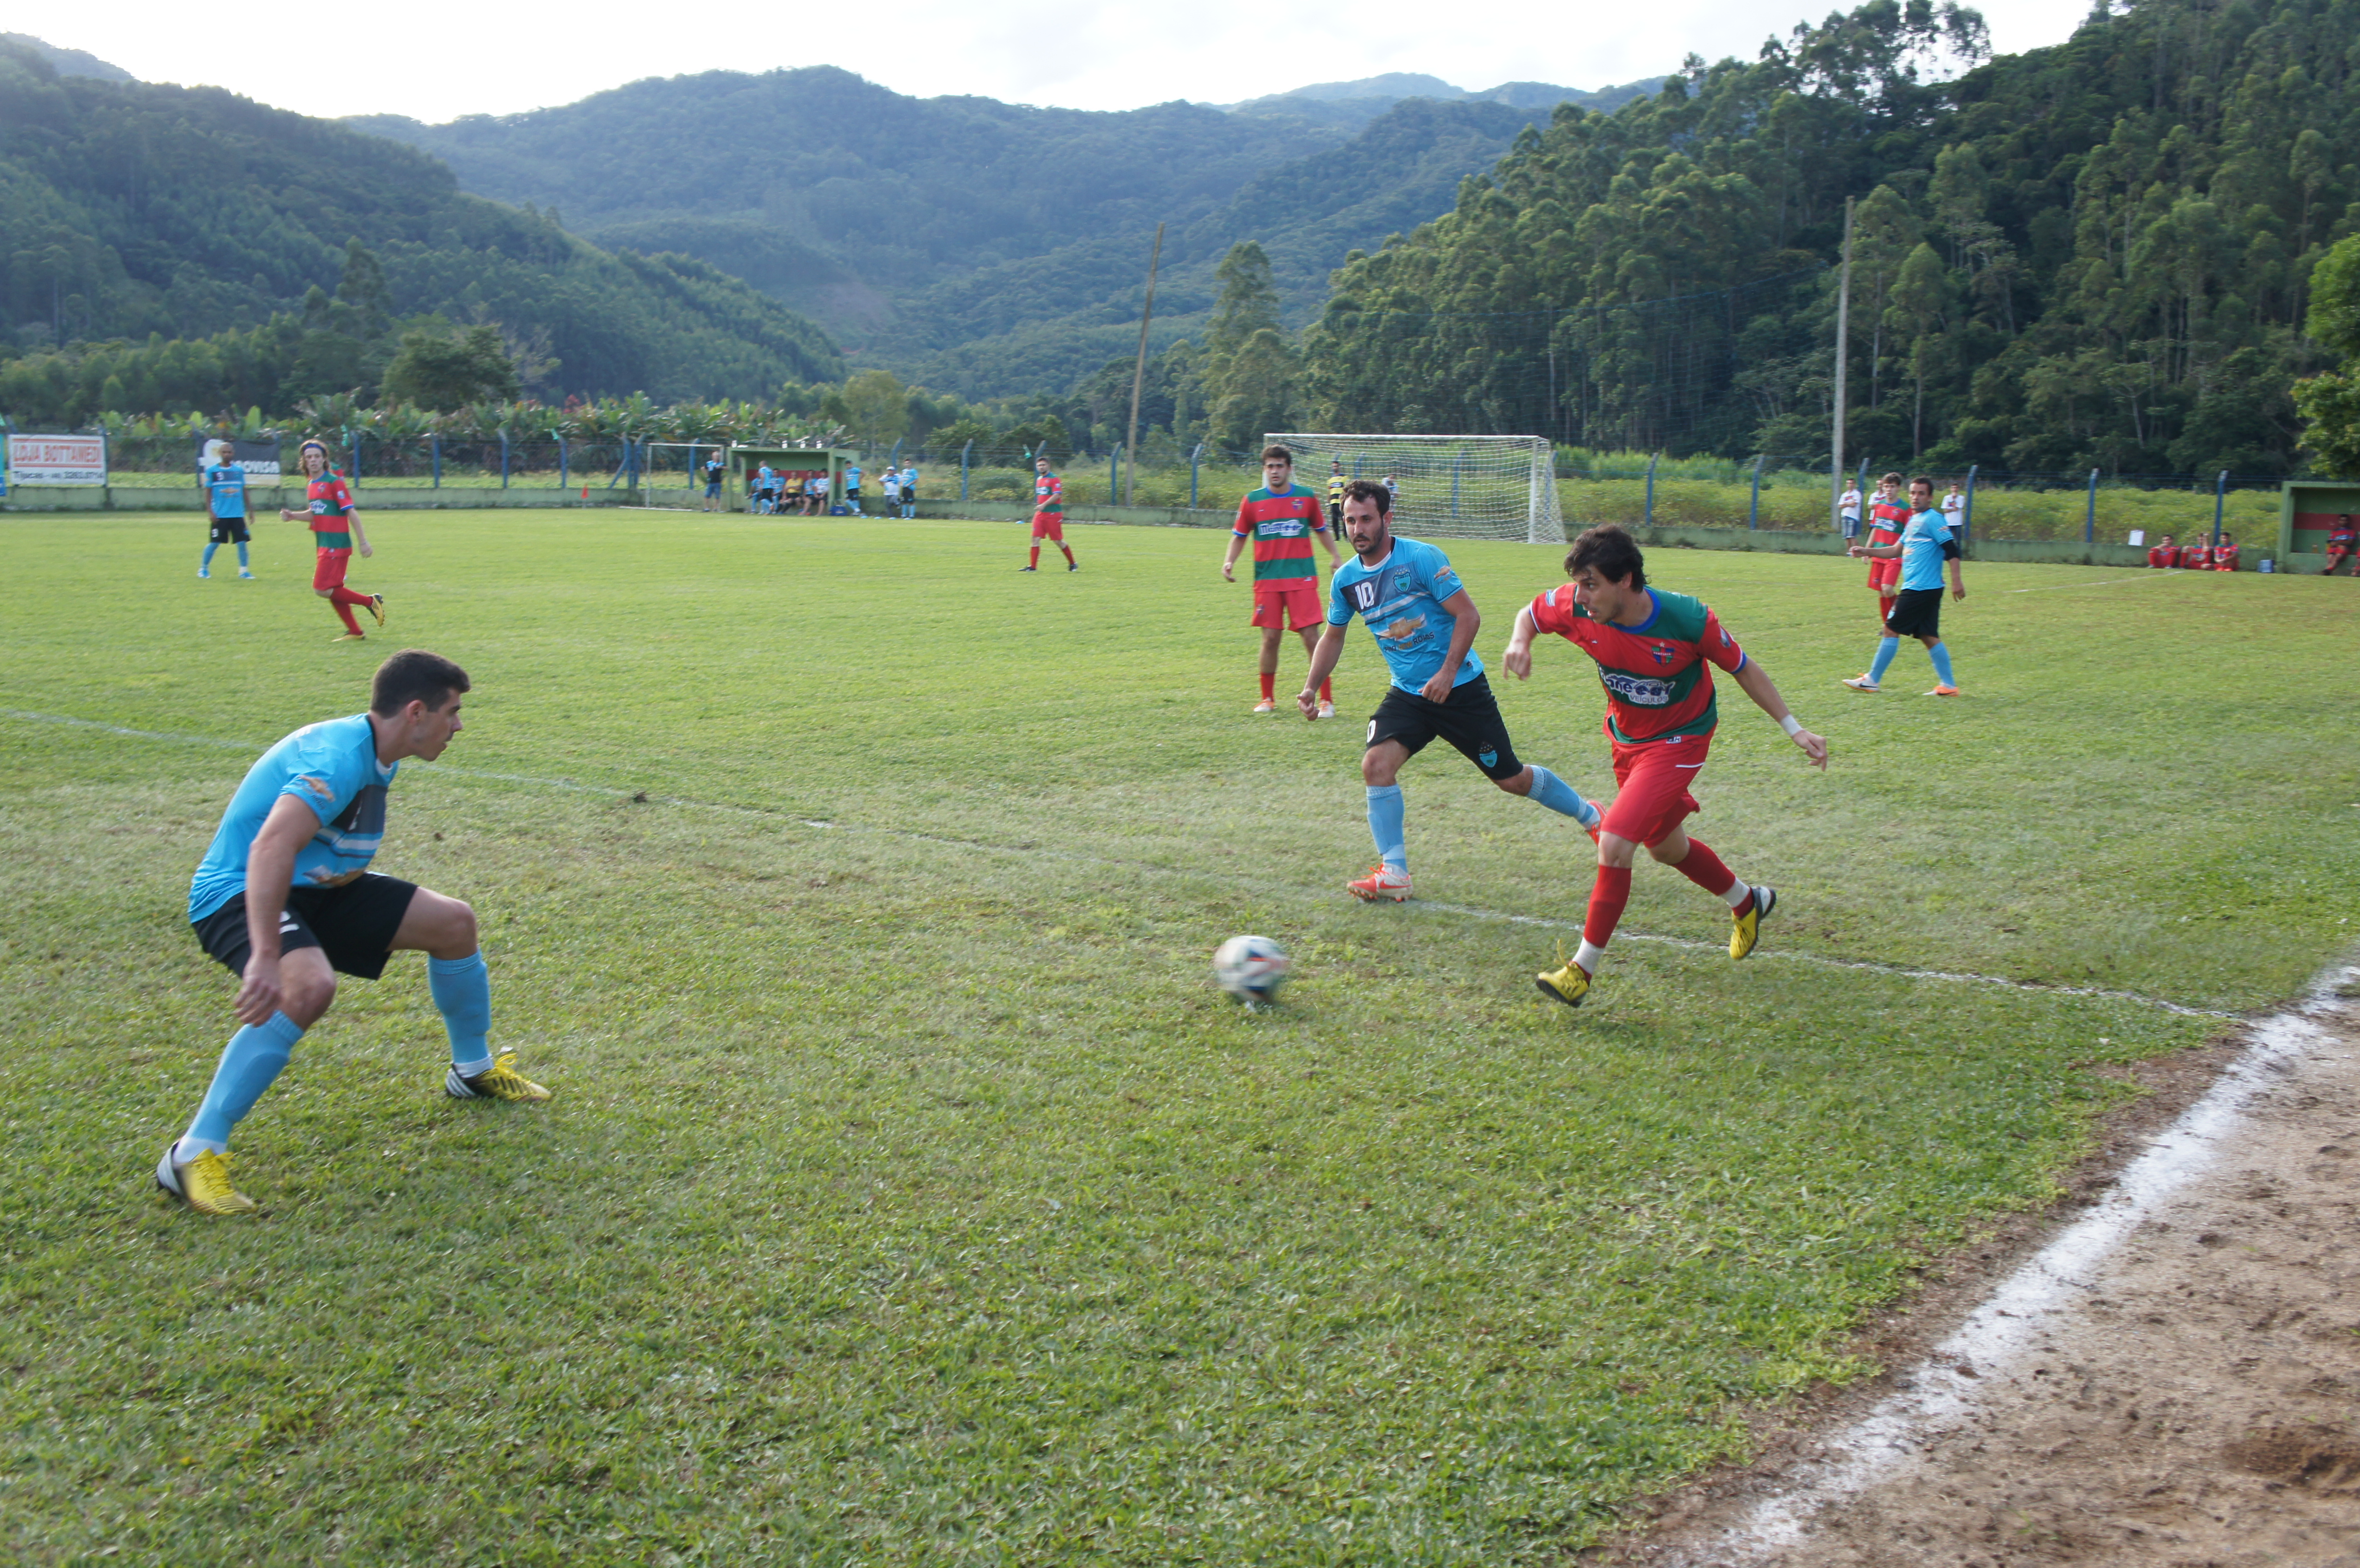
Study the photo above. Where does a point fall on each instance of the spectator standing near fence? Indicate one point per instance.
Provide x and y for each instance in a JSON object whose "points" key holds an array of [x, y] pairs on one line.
{"points": [[1955, 511], [714, 467], [909, 490], [226, 501], [888, 488], [1848, 510], [1335, 497]]}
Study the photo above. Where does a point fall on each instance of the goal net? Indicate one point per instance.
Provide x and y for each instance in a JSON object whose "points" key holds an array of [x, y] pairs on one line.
{"points": [[1451, 486], [670, 474]]}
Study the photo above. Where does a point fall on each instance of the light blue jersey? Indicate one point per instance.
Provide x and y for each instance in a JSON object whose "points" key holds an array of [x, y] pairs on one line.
{"points": [[852, 477], [1921, 550], [1401, 599], [225, 487], [333, 769]]}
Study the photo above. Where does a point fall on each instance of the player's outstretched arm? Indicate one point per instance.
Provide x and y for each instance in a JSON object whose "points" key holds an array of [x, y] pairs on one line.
{"points": [[1757, 684], [1517, 659], [1875, 551], [1324, 654]]}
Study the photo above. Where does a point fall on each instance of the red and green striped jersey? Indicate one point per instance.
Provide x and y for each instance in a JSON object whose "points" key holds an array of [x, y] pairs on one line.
{"points": [[332, 500], [1656, 674], [1280, 523], [1049, 496], [1886, 521]]}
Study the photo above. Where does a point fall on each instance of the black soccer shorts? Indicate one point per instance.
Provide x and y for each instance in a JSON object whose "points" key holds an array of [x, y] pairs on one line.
{"points": [[1470, 721], [353, 925], [1917, 612]]}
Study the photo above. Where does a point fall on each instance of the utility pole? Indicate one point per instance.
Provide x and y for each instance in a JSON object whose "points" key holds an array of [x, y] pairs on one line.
{"points": [[1138, 376], [1844, 354]]}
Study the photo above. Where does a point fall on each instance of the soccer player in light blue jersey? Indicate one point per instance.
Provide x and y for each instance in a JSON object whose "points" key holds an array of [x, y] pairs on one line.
{"points": [[1927, 541], [1425, 624], [284, 899], [226, 502]]}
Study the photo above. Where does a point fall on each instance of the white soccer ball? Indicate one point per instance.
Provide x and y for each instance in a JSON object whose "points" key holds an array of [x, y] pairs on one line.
{"points": [[1251, 968]]}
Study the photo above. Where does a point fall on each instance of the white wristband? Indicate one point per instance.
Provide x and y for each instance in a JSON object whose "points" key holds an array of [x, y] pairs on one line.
{"points": [[1791, 725]]}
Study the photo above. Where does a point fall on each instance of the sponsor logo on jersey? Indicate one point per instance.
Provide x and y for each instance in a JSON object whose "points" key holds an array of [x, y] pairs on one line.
{"points": [[1282, 527], [1637, 690]]}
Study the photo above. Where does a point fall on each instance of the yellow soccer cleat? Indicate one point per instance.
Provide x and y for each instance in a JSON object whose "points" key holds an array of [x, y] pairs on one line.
{"points": [[1747, 928], [202, 1183], [376, 608], [350, 637], [1568, 983], [500, 1081]]}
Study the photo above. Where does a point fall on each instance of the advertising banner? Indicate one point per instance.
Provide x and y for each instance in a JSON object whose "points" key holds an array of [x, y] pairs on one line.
{"points": [[258, 457], [56, 460]]}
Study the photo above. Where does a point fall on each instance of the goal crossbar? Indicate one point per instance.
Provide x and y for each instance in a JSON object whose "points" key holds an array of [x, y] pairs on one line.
{"points": [[1449, 486]]}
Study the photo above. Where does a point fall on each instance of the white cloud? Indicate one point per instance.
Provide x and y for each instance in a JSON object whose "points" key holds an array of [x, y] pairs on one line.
{"points": [[435, 60]]}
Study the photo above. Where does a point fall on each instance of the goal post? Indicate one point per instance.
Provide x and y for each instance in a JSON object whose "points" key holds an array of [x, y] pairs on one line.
{"points": [[1448, 486]]}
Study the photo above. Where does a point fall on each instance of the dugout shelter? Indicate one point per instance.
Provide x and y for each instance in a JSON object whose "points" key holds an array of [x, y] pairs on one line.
{"points": [[2308, 509], [799, 463]]}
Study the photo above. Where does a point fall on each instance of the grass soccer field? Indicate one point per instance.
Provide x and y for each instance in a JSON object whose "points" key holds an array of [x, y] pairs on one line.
{"points": [[910, 1194]]}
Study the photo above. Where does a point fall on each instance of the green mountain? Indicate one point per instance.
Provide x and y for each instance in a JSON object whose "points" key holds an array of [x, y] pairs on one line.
{"points": [[2091, 255], [131, 208], [978, 246], [1355, 103]]}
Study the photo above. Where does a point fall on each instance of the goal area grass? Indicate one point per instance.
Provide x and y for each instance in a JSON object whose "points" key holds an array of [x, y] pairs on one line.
{"points": [[909, 1192]]}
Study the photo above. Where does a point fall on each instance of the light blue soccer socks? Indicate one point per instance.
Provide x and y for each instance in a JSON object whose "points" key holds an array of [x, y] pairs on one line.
{"points": [[1940, 652], [204, 562], [254, 1059], [1562, 797], [1386, 825], [462, 989], [243, 564], [1885, 648]]}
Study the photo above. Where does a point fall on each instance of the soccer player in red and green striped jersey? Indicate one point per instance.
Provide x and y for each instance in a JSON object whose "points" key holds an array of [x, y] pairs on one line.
{"points": [[1282, 519], [336, 531], [1655, 653]]}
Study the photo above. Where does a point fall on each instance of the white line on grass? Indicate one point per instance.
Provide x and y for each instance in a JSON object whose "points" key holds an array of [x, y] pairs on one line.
{"points": [[2104, 583], [1937, 1395], [1863, 965]]}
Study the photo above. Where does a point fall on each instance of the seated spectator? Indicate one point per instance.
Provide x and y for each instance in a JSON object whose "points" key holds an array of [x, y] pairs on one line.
{"points": [[2225, 554], [2165, 555]]}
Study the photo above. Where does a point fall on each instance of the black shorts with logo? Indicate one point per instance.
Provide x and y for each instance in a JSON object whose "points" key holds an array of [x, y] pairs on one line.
{"points": [[353, 925], [1470, 721], [1917, 612], [229, 530]]}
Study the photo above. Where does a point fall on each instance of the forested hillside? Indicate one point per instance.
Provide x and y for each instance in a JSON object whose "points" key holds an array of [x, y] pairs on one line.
{"points": [[2094, 255], [203, 235], [981, 246]]}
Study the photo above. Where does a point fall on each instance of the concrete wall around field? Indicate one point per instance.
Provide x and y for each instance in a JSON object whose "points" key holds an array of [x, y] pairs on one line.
{"points": [[267, 501]]}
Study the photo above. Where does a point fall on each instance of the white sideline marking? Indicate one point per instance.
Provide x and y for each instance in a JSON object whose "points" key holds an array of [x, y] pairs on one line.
{"points": [[1896, 971], [2151, 575], [1937, 1396]]}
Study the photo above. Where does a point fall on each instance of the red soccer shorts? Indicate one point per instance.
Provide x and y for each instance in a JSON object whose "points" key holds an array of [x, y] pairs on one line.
{"points": [[330, 570], [1049, 526], [1651, 786], [1884, 576], [1285, 604]]}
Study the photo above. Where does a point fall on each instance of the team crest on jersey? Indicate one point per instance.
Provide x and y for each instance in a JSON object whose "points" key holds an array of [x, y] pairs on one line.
{"points": [[1489, 757], [1663, 652]]}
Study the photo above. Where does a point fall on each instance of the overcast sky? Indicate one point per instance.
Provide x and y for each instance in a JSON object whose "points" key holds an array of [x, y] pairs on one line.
{"points": [[435, 60]]}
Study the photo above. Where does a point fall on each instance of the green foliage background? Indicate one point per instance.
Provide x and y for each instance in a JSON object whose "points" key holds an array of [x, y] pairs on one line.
{"points": [[195, 248]]}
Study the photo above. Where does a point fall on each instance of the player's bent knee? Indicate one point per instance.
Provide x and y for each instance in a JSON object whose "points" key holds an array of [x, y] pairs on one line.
{"points": [[309, 997]]}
